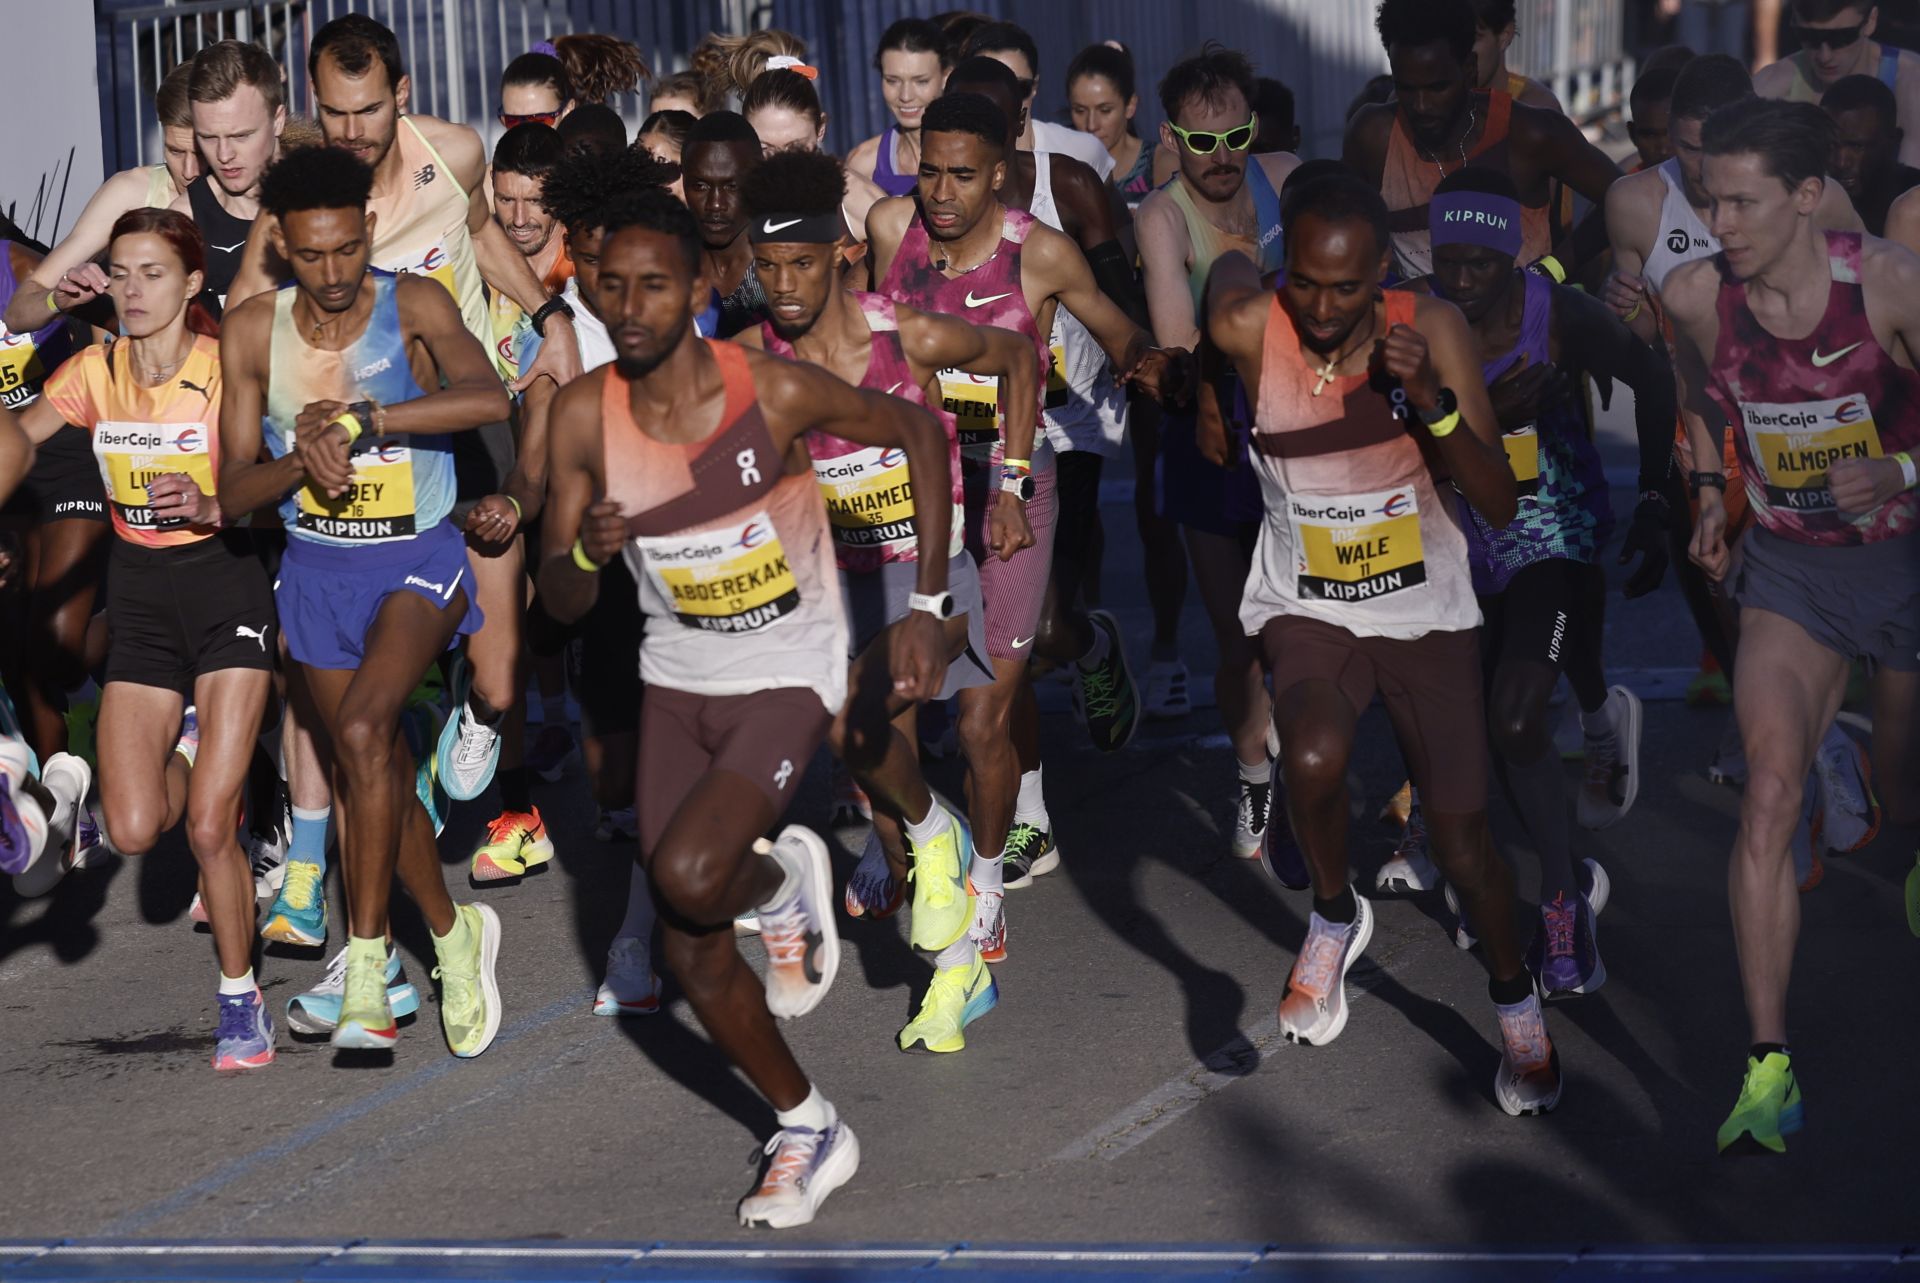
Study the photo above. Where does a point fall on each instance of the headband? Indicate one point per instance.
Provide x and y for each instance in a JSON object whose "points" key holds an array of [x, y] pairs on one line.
{"points": [[1475, 218], [545, 47], [787, 62], [824, 228]]}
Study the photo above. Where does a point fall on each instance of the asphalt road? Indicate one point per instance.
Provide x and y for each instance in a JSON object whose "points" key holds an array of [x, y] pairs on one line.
{"points": [[1130, 1086]]}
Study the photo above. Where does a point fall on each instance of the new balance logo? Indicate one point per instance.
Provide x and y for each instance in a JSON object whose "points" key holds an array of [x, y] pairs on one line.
{"points": [[423, 176], [991, 298], [785, 773], [259, 635]]}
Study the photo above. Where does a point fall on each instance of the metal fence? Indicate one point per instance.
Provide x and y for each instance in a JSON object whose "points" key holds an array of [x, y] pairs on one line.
{"points": [[455, 49]]}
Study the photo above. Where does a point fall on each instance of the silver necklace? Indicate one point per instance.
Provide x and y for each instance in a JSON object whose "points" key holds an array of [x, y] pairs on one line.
{"points": [[1472, 119]]}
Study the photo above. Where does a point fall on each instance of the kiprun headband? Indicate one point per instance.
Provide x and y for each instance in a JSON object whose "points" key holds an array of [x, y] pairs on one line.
{"points": [[824, 228], [1475, 218]]}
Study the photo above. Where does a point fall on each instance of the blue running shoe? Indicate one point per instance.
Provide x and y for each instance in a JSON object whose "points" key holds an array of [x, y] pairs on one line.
{"points": [[317, 1010], [419, 724], [299, 912], [245, 1036], [469, 749]]}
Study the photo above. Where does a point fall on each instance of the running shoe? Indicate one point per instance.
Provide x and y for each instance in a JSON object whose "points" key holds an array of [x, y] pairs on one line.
{"points": [[873, 891], [956, 997], [197, 912], [1314, 1008], [364, 1019], [1913, 896], [1613, 764], [267, 858], [299, 913], [616, 825], [68, 778], [1529, 1078], [1030, 854], [244, 1039], [1455, 920], [1280, 849], [851, 805], [550, 751], [1844, 775], [1564, 956], [1108, 699], [803, 942], [1729, 764], [469, 749], [1167, 694], [989, 929], [939, 877], [516, 842], [804, 1167], [1250, 818], [747, 924], [1410, 870], [317, 1010], [23, 822], [469, 989], [433, 798], [89, 837], [1769, 1109], [1396, 809], [631, 988], [188, 745]]}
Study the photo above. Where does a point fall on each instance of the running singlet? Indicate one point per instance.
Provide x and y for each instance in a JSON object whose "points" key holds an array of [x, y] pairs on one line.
{"points": [[225, 237], [402, 485], [868, 492], [1408, 178], [883, 176], [732, 555], [1084, 408], [1800, 88], [140, 433], [1564, 510], [423, 229], [510, 330], [159, 186], [1682, 235], [988, 294], [1355, 534], [1798, 405], [1207, 243], [26, 359]]}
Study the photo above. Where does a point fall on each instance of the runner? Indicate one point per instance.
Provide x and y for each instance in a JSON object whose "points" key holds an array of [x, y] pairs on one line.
{"points": [[373, 587], [913, 60], [1007, 42], [1101, 94], [1495, 28], [1221, 199], [721, 151], [781, 107], [1539, 580], [1836, 40], [957, 250], [1361, 584], [188, 607], [546, 84], [1439, 122], [1651, 105], [1829, 574], [238, 113], [1866, 148], [871, 342], [701, 455]]}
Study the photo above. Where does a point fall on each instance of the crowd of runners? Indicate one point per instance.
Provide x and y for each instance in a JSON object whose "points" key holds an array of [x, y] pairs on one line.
{"points": [[324, 441]]}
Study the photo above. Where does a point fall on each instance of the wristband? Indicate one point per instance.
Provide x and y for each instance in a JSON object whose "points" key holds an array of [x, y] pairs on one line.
{"points": [[1909, 475], [581, 559], [351, 422], [517, 514], [1445, 424], [53, 304], [1637, 305], [1020, 465], [1698, 481], [1551, 268]]}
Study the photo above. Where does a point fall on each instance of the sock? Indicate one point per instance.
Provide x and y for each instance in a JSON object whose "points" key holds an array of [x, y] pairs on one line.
{"points": [[231, 985], [309, 839], [553, 710], [1539, 791], [1261, 774], [1030, 807], [930, 826], [1761, 1050], [986, 873], [1507, 993], [789, 875], [814, 1112], [960, 953], [1096, 652], [1596, 725], [514, 785], [1342, 908], [483, 712], [373, 952], [458, 939], [639, 920]]}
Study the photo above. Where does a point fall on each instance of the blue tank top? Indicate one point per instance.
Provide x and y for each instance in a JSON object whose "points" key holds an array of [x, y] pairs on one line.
{"points": [[403, 485], [883, 176]]}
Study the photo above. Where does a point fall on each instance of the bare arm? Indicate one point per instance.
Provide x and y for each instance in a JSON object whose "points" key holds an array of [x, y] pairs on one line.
{"points": [[1689, 301], [38, 422], [527, 484], [1633, 217], [1237, 307], [1064, 275], [1439, 353], [27, 311], [886, 224], [470, 393], [1835, 212], [1903, 220], [1163, 258], [246, 480], [1606, 348], [575, 514]]}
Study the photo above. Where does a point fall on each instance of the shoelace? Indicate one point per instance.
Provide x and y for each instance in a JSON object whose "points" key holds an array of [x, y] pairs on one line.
{"points": [[793, 1149], [784, 935], [1559, 919], [1603, 755], [628, 954], [940, 892], [1320, 958], [460, 995], [1098, 687], [476, 739], [236, 1018], [1021, 840], [369, 988], [302, 879], [509, 824], [1525, 1033], [336, 972], [1253, 806]]}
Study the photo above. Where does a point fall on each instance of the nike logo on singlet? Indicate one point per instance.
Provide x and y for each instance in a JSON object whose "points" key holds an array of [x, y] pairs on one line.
{"points": [[991, 298], [226, 249], [896, 387], [770, 227], [1822, 362]]}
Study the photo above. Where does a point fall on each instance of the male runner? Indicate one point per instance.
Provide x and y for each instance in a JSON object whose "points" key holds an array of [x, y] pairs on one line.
{"points": [[1495, 28], [1649, 107], [1221, 198], [956, 249], [1009, 43], [686, 457], [1439, 122], [1836, 40], [1825, 424], [1361, 585], [720, 151], [373, 587], [871, 342], [1866, 147], [239, 109]]}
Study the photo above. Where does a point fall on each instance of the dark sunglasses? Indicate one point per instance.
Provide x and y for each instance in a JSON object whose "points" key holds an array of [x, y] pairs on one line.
{"points": [[1829, 38], [508, 121]]}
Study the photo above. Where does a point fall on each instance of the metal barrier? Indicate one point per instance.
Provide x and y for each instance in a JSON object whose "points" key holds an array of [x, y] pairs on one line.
{"points": [[1578, 49]]}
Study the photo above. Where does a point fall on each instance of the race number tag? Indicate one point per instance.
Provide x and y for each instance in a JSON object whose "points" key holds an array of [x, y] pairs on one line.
{"points": [[1523, 456], [131, 455], [974, 402], [21, 370], [377, 508], [1794, 446], [1356, 547], [1056, 375], [869, 497], [731, 580]]}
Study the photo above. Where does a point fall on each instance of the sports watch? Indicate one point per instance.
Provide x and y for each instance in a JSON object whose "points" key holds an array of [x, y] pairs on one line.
{"points": [[940, 605]]}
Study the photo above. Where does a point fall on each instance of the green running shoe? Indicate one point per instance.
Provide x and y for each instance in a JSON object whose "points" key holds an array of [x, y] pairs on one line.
{"points": [[942, 905], [469, 993], [1769, 1108], [957, 997]]}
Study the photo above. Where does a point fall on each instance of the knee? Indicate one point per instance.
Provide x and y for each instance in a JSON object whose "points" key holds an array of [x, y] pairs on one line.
{"points": [[983, 725], [689, 884], [1773, 795], [1518, 732], [1315, 765], [211, 835], [366, 743], [132, 826]]}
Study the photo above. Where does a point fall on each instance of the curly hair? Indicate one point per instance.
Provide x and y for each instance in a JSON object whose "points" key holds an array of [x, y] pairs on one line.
{"points": [[600, 66], [586, 184], [730, 64], [795, 182]]}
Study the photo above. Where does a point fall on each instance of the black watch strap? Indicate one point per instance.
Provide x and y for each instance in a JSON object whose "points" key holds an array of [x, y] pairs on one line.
{"points": [[554, 305], [1698, 481]]}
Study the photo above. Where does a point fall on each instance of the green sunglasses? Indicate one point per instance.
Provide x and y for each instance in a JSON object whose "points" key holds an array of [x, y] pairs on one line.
{"points": [[1202, 143]]}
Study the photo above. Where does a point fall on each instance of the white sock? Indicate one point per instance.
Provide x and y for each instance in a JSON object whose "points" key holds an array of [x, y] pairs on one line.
{"points": [[1030, 807], [231, 985], [553, 710], [1097, 651], [639, 919], [930, 826], [814, 1112], [986, 873], [1260, 774], [789, 875], [960, 953]]}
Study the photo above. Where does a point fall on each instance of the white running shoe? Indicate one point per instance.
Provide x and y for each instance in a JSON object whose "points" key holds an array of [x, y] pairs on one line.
{"points": [[267, 857], [1456, 922], [1613, 764], [1850, 815], [469, 751], [631, 988], [805, 1166], [1314, 1008], [1529, 1079], [1729, 764], [989, 929], [1250, 818], [802, 938], [1167, 694], [1411, 870], [68, 778]]}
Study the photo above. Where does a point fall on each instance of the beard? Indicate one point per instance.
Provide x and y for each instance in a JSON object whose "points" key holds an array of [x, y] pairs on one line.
{"points": [[639, 367]]}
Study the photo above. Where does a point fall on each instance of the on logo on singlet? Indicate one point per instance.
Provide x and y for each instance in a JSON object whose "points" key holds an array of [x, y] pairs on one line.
{"points": [[1794, 444], [731, 580], [1354, 548]]}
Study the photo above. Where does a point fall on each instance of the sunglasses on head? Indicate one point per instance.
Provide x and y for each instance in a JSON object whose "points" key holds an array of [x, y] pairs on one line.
{"points": [[1202, 143], [1829, 38], [508, 121]]}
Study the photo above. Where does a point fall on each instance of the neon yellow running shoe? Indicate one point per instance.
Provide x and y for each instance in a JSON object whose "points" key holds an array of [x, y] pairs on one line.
{"points": [[942, 905], [516, 842], [299, 912], [1769, 1108], [365, 1021], [957, 997], [1913, 895], [469, 994]]}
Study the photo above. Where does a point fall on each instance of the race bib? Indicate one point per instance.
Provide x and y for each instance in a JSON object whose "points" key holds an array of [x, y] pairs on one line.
{"points": [[131, 455], [731, 580], [1523, 456], [376, 508], [1056, 376], [1356, 547], [437, 263], [1794, 446], [869, 497], [21, 371], [974, 402]]}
